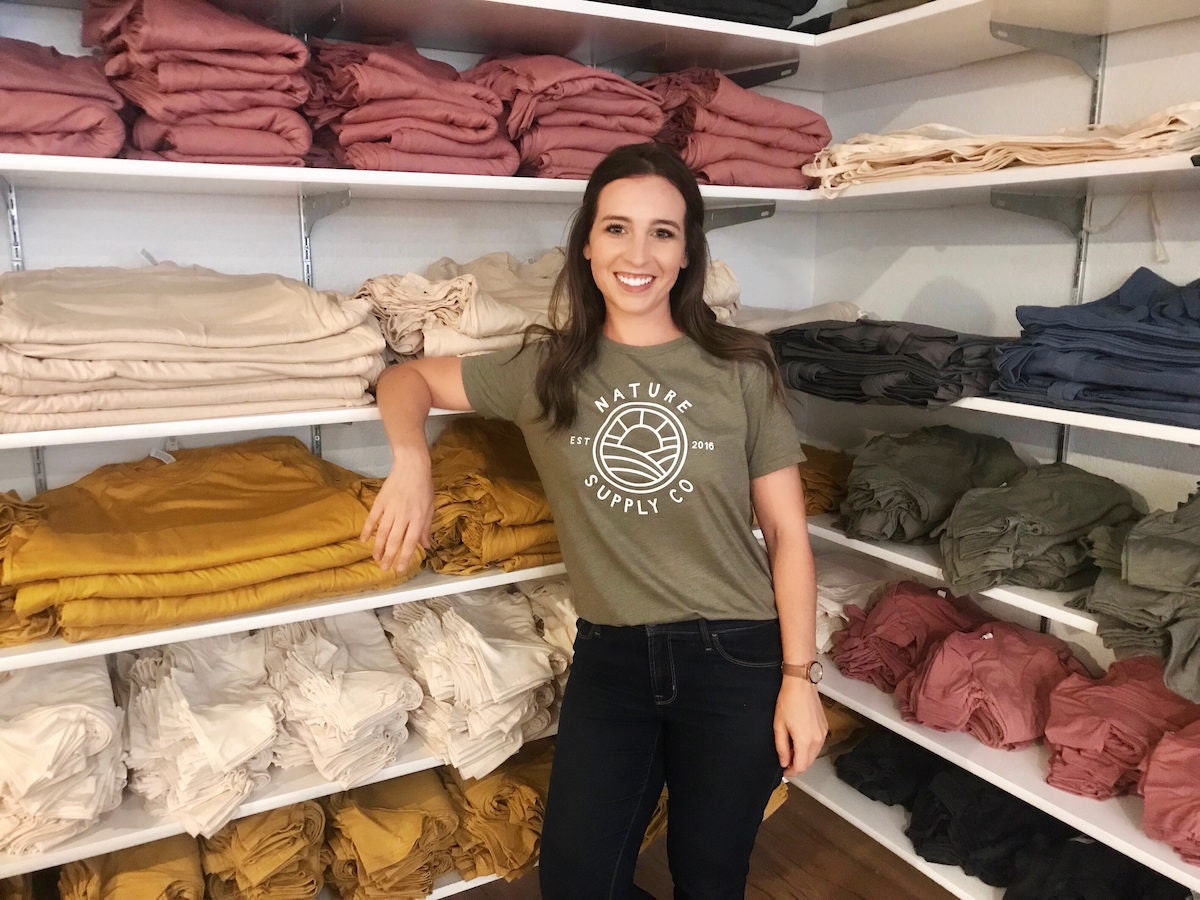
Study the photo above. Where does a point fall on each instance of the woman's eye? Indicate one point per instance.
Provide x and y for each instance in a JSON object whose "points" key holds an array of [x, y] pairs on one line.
{"points": [[664, 233], [614, 229]]}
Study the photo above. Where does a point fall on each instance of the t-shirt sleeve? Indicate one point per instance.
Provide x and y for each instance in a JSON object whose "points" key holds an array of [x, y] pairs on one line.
{"points": [[772, 442], [497, 383]]}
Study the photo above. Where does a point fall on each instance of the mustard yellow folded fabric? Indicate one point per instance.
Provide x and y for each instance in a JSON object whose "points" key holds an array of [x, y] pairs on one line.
{"points": [[824, 474], [212, 506], [14, 630], [301, 879], [162, 870], [16, 887], [273, 854]]}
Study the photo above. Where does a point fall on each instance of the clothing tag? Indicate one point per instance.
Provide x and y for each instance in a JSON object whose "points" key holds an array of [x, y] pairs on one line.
{"points": [[162, 456], [986, 636]]}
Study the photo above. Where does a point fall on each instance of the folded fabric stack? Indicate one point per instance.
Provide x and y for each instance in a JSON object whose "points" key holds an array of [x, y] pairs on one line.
{"points": [[555, 618], [901, 487], [16, 887], [500, 815], [734, 136], [60, 753], [16, 629], [386, 107], [272, 855], [1031, 530], [824, 474], [56, 104], [943, 150], [196, 535], [1101, 732], [201, 720], [843, 580], [391, 839], [90, 346], [346, 697], [169, 868], [212, 86], [564, 116], [1171, 811], [1133, 353], [487, 674], [489, 507], [764, 319], [885, 362]]}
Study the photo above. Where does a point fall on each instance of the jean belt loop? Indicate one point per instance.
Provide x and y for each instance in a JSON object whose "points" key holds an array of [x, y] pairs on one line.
{"points": [[704, 634]]}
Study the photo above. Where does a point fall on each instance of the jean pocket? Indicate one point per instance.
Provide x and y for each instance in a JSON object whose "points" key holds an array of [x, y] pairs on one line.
{"points": [[585, 630], [754, 646]]}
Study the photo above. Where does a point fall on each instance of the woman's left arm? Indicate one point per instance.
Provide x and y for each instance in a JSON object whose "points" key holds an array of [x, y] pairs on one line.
{"points": [[800, 725]]}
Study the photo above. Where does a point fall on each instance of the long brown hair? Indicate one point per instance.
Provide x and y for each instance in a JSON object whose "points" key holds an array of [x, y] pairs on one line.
{"points": [[578, 307]]}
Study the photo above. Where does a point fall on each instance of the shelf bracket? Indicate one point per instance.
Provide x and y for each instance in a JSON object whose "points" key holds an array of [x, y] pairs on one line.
{"points": [[14, 224], [39, 468], [313, 208], [764, 73], [314, 440], [724, 216], [1067, 210], [1085, 50]]}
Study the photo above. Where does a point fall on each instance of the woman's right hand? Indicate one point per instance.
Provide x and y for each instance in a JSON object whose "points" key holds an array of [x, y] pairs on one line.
{"points": [[400, 517]]}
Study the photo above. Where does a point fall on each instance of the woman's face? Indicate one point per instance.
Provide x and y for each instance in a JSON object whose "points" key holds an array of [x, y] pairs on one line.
{"points": [[636, 247]]}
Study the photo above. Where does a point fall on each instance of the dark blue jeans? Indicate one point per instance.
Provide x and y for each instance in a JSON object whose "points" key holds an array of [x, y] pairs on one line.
{"points": [[689, 704]]}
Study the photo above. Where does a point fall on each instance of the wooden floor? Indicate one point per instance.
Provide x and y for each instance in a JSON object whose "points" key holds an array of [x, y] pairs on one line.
{"points": [[804, 852]]}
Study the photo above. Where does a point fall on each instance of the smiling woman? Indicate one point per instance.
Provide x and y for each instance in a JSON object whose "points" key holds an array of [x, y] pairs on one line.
{"points": [[660, 435]]}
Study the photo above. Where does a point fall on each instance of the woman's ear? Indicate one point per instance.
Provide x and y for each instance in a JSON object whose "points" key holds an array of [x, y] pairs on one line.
{"points": [[587, 250]]}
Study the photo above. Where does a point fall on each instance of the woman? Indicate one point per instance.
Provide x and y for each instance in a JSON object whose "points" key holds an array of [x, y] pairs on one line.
{"points": [[658, 434]]}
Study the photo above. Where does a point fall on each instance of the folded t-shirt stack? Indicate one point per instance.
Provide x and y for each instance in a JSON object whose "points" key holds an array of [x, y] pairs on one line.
{"points": [[90, 346], [734, 136], [169, 868], [60, 753], [15, 629], [200, 534], [1171, 811], [1133, 353], [936, 149], [885, 362], [201, 720], [824, 474], [901, 487], [212, 86], [56, 104], [346, 697], [1101, 732], [1031, 530], [272, 855], [844, 579], [489, 506], [487, 674], [554, 618], [563, 116], [385, 107]]}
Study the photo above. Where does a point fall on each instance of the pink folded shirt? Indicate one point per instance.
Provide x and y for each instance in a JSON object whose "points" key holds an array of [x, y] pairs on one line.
{"points": [[376, 156], [259, 132], [58, 125], [1171, 792], [25, 66]]}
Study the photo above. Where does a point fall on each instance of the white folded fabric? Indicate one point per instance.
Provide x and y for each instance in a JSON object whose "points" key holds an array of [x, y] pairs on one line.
{"points": [[844, 578]]}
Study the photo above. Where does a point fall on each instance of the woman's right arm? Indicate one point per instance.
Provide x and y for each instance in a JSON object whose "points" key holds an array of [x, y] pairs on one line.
{"points": [[400, 518]]}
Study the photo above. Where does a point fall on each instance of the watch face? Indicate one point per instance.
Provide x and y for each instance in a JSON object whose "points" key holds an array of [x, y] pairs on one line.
{"points": [[815, 671]]}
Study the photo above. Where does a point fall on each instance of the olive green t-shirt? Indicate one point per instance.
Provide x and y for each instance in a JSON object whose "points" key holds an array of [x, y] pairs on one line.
{"points": [[650, 488]]}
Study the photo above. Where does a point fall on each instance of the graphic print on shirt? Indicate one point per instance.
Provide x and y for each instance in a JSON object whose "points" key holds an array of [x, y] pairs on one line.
{"points": [[640, 450]]}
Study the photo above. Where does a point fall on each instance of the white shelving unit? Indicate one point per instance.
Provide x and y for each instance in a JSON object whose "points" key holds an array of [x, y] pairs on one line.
{"points": [[1116, 822]]}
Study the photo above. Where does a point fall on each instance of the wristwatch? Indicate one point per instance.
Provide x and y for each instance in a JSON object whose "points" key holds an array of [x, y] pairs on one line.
{"points": [[812, 671]]}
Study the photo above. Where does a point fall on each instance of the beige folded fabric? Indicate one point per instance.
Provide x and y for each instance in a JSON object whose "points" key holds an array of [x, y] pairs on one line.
{"points": [[763, 319], [943, 150]]}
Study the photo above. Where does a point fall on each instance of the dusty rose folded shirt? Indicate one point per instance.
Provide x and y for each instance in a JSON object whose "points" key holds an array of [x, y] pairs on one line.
{"points": [[540, 138], [700, 150], [379, 157], [382, 76], [251, 133], [25, 66], [55, 124], [178, 106], [380, 118], [748, 173], [691, 119], [564, 162], [182, 76]]}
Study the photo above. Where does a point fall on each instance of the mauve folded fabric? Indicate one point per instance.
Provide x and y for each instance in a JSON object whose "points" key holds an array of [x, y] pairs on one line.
{"points": [[260, 131], [377, 156], [55, 124], [26, 66]]}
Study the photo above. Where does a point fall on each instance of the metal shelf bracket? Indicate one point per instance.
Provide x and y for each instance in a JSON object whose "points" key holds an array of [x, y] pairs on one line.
{"points": [[1085, 50], [314, 440], [752, 76], [1067, 210], [313, 208], [724, 216], [39, 468], [14, 224]]}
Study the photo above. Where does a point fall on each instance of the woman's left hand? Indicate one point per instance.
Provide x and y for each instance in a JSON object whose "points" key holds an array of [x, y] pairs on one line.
{"points": [[800, 725]]}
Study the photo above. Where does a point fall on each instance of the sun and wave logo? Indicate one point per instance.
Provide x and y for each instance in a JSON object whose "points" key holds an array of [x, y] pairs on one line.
{"points": [[641, 447]]}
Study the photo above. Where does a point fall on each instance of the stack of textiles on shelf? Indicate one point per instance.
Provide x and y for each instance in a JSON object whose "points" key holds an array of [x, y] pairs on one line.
{"points": [[60, 753], [956, 818], [16, 887], [901, 487], [201, 720], [17, 629], [194, 535], [1100, 732], [273, 855], [489, 506], [1171, 811], [346, 697], [92, 346], [888, 635], [1133, 353], [554, 618], [730, 135], [56, 104], [1031, 530], [852, 13], [209, 85], [844, 580], [489, 678], [564, 116], [169, 868], [768, 13], [1147, 595], [936, 149], [764, 319], [459, 309], [824, 474], [385, 107], [885, 362]]}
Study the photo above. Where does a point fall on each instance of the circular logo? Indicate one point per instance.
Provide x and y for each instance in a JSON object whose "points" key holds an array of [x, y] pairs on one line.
{"points": [[640, 447]]}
